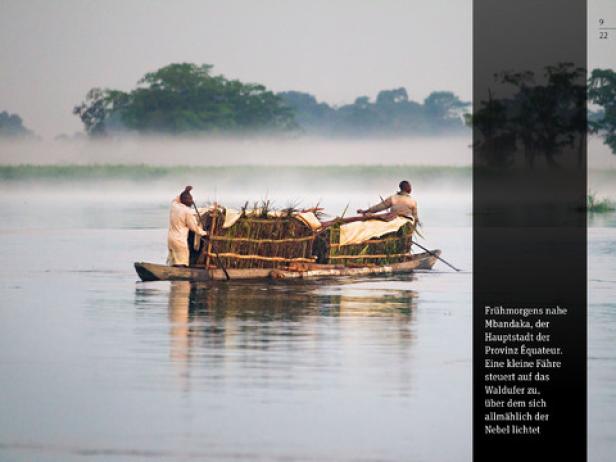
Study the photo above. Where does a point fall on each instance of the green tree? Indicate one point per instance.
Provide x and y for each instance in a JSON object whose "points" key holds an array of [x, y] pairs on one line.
{"points": [[311, 116], [495, 139], [185, 98], [11, 126], [542, 118], [602, 91], [444, 105], [101, 110], [390, 97]]}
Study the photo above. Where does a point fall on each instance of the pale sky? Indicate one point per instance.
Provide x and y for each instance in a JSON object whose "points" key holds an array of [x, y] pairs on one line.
{"points": [[53, 52]]}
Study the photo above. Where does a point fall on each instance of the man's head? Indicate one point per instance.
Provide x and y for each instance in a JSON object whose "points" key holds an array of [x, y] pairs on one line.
{"points": [[186, 198], [405, 186]]}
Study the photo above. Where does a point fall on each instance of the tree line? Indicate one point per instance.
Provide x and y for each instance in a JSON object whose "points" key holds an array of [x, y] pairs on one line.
{"points": [[392, 113], [186, 98]]}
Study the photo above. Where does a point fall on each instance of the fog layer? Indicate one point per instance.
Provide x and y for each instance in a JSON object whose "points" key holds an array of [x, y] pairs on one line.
{"points": [[241, 151]]}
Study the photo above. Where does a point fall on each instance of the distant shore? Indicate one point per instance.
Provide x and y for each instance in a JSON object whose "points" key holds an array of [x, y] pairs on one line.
{"points": [[147, 172], [141, 173]]}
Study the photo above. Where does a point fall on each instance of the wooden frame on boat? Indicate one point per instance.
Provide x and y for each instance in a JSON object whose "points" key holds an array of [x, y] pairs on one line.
{"points": [[256, 240]]}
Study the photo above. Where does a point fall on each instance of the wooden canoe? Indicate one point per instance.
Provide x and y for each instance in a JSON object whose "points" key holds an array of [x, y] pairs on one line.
{"points": [[155, 272]]}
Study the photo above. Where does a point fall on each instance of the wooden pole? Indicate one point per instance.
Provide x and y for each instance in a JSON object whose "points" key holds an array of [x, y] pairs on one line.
{"points": [[435, 255], [211, 233], [209, 241]]}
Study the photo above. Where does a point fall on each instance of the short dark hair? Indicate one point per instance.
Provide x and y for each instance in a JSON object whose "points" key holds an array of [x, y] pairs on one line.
{"points": [[403, 184], [185, 197]]}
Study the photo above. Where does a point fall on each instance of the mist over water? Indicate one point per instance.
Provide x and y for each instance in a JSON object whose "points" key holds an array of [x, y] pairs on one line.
{"points": [[299, 172], [260, 150], [289, 172], [240, 151]]}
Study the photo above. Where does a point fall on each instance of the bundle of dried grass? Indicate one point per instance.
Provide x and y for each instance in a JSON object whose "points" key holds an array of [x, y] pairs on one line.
{"points": [[261, 238], [264, 237], [390, 248]]}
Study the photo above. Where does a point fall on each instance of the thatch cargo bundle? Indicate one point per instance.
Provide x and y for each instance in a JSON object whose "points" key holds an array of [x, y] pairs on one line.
{"points": [[262, 238], [258, 239], [392, 247]]}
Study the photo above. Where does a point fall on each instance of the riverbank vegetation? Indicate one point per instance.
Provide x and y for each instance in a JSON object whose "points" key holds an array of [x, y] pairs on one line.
{"points": [[596, 204], [140, 172], [602, 92]]}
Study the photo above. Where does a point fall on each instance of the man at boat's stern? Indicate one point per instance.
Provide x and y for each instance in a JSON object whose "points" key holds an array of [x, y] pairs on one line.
{"points": [[181, 221], [400, 203]]}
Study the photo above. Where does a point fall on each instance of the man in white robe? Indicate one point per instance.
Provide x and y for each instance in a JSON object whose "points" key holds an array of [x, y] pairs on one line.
{"points": [[181, 220]]}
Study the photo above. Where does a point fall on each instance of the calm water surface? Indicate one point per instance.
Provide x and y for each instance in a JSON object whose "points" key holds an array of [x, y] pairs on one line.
{"points": [[97, 366]]}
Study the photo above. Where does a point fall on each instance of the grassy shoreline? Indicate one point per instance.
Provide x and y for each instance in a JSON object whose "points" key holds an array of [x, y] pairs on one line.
{"points": [[102, 171], [146, 172]]}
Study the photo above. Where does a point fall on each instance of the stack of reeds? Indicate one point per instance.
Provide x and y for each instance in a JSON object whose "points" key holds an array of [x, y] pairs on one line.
{"points": [[260, 238], [390, 248]]}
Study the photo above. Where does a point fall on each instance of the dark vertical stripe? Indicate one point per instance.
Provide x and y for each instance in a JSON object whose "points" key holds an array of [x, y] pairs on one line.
{"points": [[529, 236]]}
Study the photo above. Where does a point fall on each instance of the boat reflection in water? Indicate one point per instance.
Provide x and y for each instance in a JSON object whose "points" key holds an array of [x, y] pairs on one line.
{"points": [[289, 335]]}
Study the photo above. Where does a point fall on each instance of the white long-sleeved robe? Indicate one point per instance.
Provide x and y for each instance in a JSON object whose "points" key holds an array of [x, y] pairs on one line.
{"points": [[181, 221]]}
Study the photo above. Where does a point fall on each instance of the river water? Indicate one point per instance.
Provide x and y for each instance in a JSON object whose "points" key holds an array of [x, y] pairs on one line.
{"points": [[95, 365]]}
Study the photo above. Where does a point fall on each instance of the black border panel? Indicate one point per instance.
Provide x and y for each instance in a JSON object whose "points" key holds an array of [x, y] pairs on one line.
{"points": [[529, 236]]}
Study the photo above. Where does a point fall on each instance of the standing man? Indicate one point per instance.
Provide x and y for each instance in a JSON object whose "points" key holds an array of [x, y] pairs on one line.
{"points": [[181, 221], [400, 203]]}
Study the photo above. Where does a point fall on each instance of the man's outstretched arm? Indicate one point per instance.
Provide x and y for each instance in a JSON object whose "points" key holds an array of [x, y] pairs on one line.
{"points": [[383, 205]]}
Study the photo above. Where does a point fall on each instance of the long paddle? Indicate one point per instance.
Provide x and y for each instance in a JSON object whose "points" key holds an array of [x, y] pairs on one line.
{"points": [[224, 270], [435, 255]]}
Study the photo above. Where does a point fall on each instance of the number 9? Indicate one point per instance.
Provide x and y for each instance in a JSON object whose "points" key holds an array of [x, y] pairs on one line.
{"points": [[601, 21]]}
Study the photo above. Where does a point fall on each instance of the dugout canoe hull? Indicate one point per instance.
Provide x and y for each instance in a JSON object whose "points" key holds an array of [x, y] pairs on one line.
{"points": [[155, 272]]}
